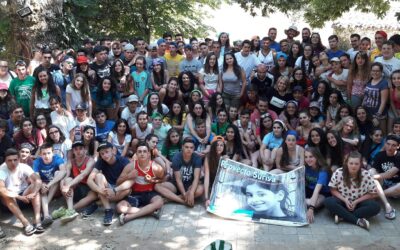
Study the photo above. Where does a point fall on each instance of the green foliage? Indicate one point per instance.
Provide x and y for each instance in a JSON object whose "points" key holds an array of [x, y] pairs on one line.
{"points": [[133, 18], [316, 12]]}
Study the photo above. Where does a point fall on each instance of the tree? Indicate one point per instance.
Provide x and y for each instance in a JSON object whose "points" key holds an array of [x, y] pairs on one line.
{"points": [[316, 12], [144, 18]]}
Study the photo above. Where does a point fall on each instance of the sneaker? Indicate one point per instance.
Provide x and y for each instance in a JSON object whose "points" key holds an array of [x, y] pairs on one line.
{"points": [[363, 223], [47, 220], [121, 219], [338, 219], [58, 213], [89, 210], [156, 214], [29, 230], [70, 215], [39, 229], [108, 217]]}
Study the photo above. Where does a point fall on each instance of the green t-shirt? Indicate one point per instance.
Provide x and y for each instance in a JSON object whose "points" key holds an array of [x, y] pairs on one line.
{"points": [[170, 152], [221, 130], [22, 90]]}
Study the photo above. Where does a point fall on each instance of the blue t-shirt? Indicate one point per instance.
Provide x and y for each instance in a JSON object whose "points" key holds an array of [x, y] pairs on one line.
{"points": [[331, 54], [271, 141], [105, 101], [186, 168], [317, 177], [112, 172], [46, 171], [102, 133]]}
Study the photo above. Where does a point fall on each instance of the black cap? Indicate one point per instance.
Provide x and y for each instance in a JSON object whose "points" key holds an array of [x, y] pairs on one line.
{"points": [[104, 145], [395, 138], [81, 106], [77, 143]]}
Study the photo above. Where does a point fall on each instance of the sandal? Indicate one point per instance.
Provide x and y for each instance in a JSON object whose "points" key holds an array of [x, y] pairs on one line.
{"points": [[29, 230], [391, 215]]}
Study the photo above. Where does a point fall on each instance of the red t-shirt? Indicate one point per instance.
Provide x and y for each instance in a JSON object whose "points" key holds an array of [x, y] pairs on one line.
{"points": [[78, 170]]}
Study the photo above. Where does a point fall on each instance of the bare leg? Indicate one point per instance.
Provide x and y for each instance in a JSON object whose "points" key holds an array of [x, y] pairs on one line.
{"points": [[35, 203], [381, 193], [168, 190], [254, 158], [92, 196], [133, 212], [101, 181], [12, 205]]}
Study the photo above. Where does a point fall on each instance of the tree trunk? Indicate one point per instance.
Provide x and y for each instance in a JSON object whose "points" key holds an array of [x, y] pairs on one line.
{"points": [[28, 31]]}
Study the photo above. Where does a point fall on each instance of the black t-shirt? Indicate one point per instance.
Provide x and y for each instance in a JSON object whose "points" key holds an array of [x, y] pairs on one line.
{"points": [[263, 86], [112, 172], [5, 143], [277, 102], [384, 163], [102, 70]]}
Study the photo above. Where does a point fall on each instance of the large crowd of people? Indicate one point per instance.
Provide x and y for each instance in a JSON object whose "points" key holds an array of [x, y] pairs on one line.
{"points": [[138, 124]]}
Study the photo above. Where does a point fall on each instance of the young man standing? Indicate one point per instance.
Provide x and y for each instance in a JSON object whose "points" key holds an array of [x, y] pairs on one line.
{"points": [[246, 60], [143, 194], [64, 76], [272, 32], [19, 186], [16, 116], [334, 50], [46, 63], [266, 54], [189, 63], [100, 65], [338, 77], [186, 184], [385, 170], [173, 60], [389, 62], [111, 179], [380, 38], [50, 168], [355, 41], [21, 87]]}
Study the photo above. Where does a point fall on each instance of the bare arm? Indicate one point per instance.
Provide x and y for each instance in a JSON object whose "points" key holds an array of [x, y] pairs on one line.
{"points": [[179, 182], [84, 173]]}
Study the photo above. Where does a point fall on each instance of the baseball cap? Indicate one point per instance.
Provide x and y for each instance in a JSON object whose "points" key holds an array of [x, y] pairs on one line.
{"points": [[3, 86], [104, 145], [314, 105], [298, 88], [81, 106], [160, 41], [156, 115], [77, 143], [129, 46], [153, 46], [188, 46], [82, 60], [133, 98], [281, 54], [335, 59]]}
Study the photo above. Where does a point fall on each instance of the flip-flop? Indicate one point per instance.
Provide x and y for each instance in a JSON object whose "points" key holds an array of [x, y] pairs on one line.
{"points": [[391, 215]]}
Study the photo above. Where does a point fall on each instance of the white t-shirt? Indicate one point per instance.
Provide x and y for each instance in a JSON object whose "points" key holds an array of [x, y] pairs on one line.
{"points": [[115, 142], [64, 122], [297, 64], [342, 77], [248, 63], [16, 181], [76, 97], [130, 117], [388, 65]]}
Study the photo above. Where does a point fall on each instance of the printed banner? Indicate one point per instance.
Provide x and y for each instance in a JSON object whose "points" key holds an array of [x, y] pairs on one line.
{"points": [[244, 193]]}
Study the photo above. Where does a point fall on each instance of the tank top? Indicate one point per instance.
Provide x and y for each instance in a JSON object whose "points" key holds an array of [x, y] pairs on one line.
{"points": [[358, 87], [169, 100], [42, 103], [296, 161], [141, 185], [76, 170], [232, 84], [396, 101], [210, 81], [268, 59], [248, 130]]}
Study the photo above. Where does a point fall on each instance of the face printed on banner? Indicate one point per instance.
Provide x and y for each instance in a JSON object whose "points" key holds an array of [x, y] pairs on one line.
{"points": [[262, 200]]}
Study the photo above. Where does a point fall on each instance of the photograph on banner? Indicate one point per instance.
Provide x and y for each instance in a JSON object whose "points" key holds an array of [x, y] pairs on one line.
{"points": [[245, 193]]}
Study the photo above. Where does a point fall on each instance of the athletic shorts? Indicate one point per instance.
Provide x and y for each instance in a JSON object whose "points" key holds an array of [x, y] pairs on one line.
{"points": [[80, 191], [144, 198]]}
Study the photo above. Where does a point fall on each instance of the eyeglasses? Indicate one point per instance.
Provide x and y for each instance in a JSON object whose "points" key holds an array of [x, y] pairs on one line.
{"points": [[54, 132], [68, 62]]}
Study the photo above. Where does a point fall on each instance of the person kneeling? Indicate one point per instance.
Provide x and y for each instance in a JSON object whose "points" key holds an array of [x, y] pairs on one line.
{"points": [[143, 195]]}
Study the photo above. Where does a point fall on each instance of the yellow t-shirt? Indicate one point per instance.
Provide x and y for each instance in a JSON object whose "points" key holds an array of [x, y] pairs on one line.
{"points": [[374, 53], [173, 64]]}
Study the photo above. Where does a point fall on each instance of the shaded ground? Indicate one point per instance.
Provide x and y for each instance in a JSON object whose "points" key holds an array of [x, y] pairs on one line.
{"points": [[183, 228]]}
